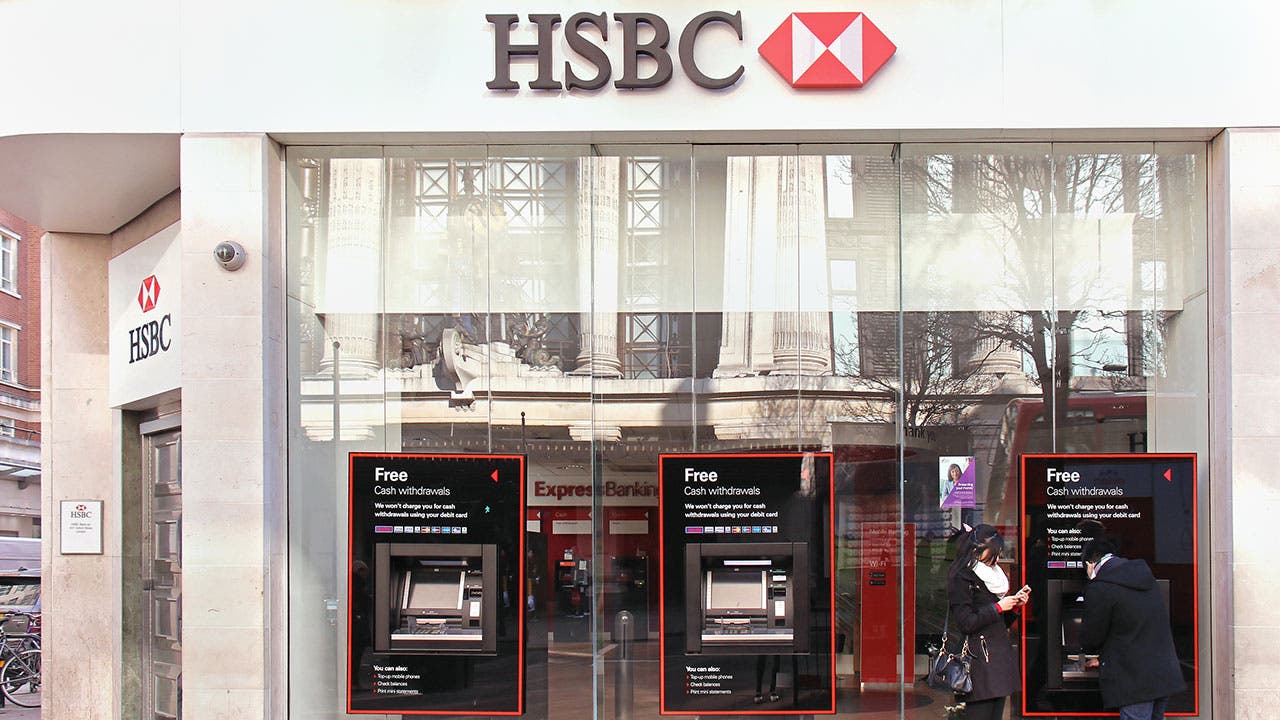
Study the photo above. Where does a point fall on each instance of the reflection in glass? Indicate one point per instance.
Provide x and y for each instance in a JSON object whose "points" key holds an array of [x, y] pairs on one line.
{"points": [[593, 307]]}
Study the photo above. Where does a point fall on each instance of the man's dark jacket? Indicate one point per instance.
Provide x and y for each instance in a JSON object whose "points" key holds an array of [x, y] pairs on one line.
{"points": [[1127, 625]]}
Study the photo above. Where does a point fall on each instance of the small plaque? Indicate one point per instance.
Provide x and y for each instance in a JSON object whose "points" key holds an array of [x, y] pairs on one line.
{"points": [[81, 529]]}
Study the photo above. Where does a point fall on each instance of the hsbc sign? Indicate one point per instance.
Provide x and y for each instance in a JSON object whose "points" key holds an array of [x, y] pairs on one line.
{"points": [[145, 292], [808, 50]]}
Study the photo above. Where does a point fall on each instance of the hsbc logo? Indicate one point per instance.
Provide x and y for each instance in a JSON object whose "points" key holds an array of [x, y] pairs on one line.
{"points": [[148, 294], [81, 512], [150, 338], [809, 50], [827, 49]]}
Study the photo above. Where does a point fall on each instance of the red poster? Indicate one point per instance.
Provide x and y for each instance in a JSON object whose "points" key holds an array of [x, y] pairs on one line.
{"points": [[885, 583]]}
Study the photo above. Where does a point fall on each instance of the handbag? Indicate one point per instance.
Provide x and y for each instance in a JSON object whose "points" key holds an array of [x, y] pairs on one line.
{"points": [[948, 670]]}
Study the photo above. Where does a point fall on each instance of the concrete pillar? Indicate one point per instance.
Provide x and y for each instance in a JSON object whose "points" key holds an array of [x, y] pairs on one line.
{"points": [[82, 609], [598, 240], [232, 415], [1245, 392]]}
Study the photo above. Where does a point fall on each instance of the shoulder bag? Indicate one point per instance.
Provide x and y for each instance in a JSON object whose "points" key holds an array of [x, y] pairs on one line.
{"points": [[948, 670]]}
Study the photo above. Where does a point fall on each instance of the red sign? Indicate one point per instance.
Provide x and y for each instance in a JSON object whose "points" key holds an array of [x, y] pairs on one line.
{"points": [[149, 293], [888, 638], [827, 49]]}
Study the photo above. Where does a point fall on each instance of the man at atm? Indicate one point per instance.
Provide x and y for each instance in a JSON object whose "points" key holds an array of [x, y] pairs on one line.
{"points": [[1127, 625]]}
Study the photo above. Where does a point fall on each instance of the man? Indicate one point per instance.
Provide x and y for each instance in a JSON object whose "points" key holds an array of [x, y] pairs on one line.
{"points": [[1126, 624]]}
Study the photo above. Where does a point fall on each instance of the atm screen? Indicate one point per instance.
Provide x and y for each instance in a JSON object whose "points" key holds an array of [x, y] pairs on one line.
{"points": [[730, 590], [435, 589]]}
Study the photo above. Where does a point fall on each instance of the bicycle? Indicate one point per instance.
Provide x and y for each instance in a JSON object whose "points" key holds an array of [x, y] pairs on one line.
{"points": [[20, 665]]}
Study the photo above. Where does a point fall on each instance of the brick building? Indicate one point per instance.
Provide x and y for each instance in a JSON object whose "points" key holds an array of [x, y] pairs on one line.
{"points": [[19, 377]]}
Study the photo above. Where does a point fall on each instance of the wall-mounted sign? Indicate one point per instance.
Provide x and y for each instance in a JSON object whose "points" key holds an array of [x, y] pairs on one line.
{"points": [[80, 531], [809, 50], [435, 618], [145, 293], [748, 604], [629, 490], [1143, 503]]}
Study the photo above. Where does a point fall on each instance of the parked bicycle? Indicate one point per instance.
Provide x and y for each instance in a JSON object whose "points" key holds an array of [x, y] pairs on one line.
{"points": [[19, 662]]}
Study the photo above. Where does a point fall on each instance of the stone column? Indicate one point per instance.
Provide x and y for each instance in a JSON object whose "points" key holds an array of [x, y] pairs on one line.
{"points": [[351, 276], [82, 593], [234, 539], [801, 337], [746, 343], [995, 356], [776, 313], [598, 241]]}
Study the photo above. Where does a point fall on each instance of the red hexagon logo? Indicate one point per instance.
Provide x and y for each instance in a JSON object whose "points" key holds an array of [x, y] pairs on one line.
{"points": [[827, 49], [148, 294]]}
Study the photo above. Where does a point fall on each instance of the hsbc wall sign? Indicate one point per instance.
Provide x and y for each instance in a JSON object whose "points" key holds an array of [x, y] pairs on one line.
{"points": [[808, 50], [145, 290]]}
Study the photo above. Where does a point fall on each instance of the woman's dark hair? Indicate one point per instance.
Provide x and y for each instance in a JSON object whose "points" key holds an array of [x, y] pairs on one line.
{"points": [[973, 545], [956, 468]]}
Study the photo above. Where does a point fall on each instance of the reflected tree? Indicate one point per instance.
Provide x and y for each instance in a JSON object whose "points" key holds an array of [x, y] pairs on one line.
{"points": [[942, 372]]}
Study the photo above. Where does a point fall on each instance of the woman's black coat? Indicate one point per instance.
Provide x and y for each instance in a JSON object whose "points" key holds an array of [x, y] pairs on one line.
{"points": [[974, 614]]}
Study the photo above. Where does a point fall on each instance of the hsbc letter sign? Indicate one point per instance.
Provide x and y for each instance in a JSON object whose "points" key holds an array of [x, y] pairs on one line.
{"points": [[809, 50], [632, 50]]}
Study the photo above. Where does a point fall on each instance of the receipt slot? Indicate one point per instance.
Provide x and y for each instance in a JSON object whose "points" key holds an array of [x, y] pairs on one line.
{"points": [[747, 598], [436, 599]]}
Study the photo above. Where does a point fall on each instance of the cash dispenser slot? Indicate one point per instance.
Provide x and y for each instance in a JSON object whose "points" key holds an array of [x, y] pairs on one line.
{"points": [[747, 598], [436, 599]]}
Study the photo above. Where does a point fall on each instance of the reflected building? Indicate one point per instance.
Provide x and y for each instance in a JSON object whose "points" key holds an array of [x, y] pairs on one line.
{"points": [[892, 304]]}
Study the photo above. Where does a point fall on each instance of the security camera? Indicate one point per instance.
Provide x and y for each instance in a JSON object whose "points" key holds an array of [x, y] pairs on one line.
{"points": [[229, 254]]}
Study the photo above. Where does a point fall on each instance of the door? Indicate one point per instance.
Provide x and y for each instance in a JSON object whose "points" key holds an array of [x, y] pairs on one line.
{"points": [[162, 574]]}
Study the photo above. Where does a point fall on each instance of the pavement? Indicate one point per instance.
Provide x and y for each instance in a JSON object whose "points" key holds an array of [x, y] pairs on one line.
{"points": [[13, 712]]}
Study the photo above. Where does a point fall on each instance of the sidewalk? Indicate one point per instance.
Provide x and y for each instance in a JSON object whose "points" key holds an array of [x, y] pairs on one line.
{"points": [[13, 712]]}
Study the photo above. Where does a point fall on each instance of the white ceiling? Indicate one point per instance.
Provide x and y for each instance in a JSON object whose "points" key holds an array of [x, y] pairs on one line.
{"points": [[85, 183]]}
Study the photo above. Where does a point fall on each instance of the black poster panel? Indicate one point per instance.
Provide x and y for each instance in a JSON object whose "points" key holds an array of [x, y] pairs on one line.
{"points": [[435, 617], [748, 612], [1146, 504]]}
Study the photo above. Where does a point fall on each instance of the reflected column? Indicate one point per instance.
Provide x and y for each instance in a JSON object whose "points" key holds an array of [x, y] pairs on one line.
{"points": [[598, 239], [351, 278], [750, 256], [991, 355], [801, 339]]}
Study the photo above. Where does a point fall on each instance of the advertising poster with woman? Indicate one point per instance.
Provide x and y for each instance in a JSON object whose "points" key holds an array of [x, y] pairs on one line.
{"points": [[957, 482]]}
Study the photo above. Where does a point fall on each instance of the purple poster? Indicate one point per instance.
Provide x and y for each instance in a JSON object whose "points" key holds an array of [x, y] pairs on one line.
{"points": [[957, 482]]}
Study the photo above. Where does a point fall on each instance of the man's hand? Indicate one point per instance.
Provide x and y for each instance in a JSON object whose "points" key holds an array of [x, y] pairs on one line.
{"points": [[1091, 662]]}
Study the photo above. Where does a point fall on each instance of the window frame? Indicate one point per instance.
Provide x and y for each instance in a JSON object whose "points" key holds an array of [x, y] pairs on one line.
{"points": [[9, 265]]}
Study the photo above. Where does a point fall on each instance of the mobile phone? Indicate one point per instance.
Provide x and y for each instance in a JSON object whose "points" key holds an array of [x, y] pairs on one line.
{"points": [[1026, 590]]}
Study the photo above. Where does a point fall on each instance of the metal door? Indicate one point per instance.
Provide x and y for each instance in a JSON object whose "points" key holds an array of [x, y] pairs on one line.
{"points": [[162, 574]]}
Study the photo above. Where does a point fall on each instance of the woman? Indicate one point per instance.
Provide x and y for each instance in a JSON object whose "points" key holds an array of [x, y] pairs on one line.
{"points": [[949, 483], [981, 610]]}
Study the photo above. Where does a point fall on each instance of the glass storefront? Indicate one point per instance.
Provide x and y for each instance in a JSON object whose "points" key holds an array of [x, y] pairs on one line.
{"points": [[905, 308]]}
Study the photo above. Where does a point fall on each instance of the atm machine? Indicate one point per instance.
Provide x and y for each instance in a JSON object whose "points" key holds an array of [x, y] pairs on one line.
{"points": [[747, 598], [436, 599], [1064, 657]]}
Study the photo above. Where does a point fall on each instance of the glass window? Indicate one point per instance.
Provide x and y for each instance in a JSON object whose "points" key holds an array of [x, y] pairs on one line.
{"points": [[904, 308], [8, 354], [8, 261]]}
